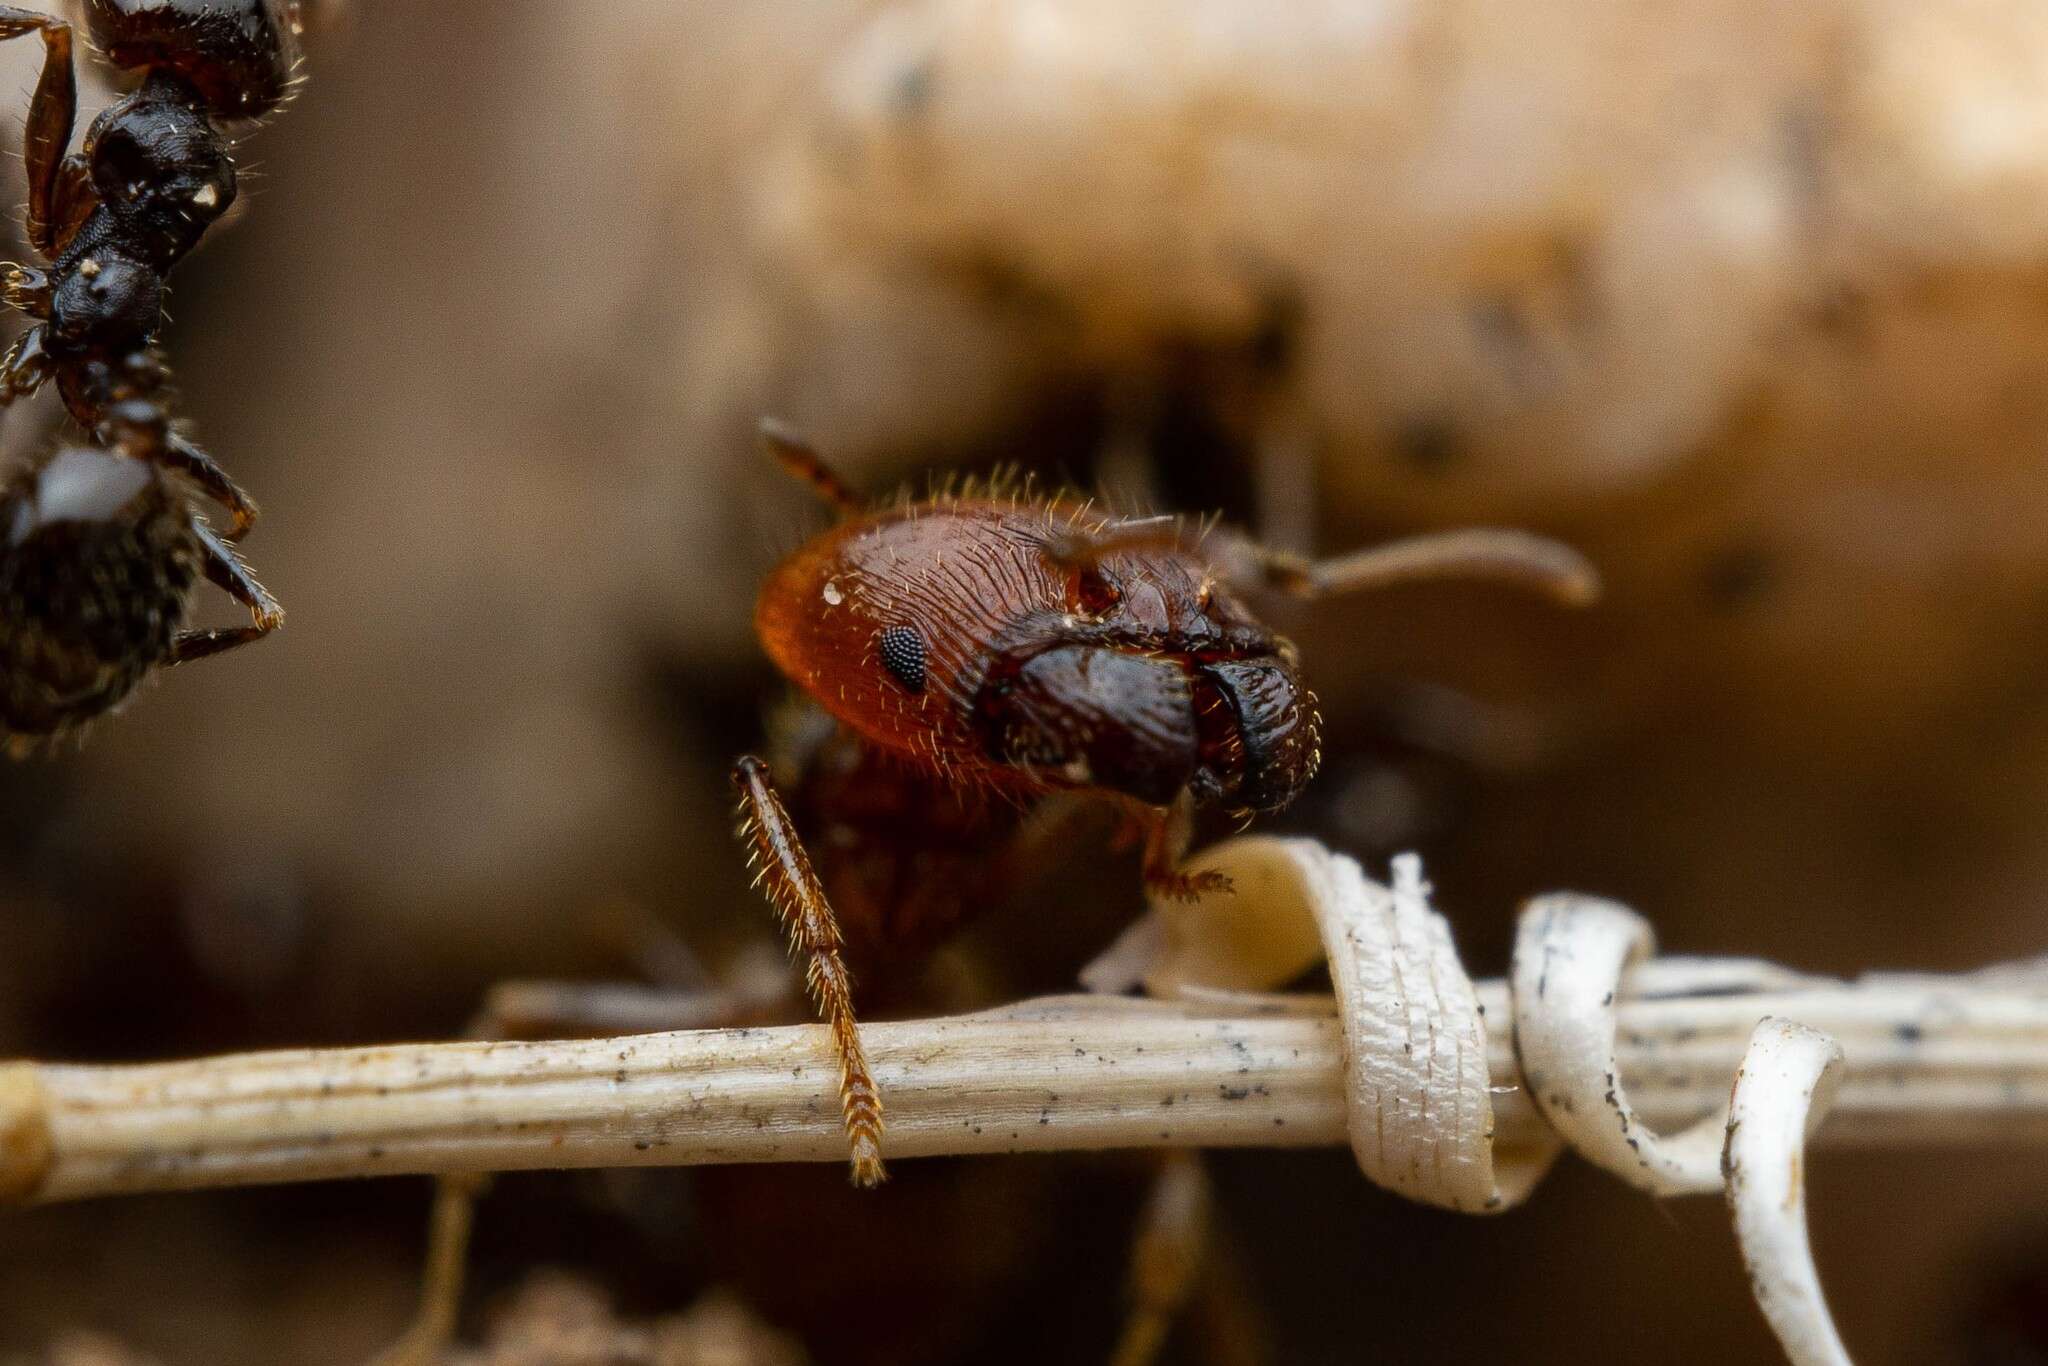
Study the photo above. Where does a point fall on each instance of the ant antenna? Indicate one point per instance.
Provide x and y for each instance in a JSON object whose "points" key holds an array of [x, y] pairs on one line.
{"points": [[1517, 558], [801, 459]]}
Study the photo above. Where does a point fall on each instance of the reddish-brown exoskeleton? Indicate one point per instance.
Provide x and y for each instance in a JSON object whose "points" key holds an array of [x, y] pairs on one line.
{"points": [[959, 658], [981, 649]]}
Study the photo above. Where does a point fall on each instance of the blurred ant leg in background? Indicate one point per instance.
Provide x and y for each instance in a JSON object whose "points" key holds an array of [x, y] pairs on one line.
{"points": [[1168, 1249], [1127, 452], [1284, 476], [533, 1009], [58, 185], [441, 1283]]}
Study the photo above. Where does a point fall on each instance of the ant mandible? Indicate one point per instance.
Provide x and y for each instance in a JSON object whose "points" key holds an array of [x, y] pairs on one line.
{"points": [[110, 221], [989, 644]]}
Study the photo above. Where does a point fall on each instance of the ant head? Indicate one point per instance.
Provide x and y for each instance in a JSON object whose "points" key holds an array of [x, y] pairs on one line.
{"points": [[107, 300], [1152, 681], [1236, 731]]}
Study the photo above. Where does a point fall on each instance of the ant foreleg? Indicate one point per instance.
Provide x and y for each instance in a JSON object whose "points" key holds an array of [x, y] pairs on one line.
{"points": [[1167, 1252], [226, 571], [426, 1338], [1168, 832], [1519, 558], [780, 863], [801, 460], [52, 111]]}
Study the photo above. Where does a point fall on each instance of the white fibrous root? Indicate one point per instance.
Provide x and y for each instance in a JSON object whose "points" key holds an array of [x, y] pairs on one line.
{"points": [[1420, 1108], [1417, 1089], [1572, 954], [1786, 1083]]}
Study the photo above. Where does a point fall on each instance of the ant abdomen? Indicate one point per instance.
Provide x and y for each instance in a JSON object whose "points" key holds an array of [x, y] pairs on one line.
{"points": [[239, 55], [99, 556]]}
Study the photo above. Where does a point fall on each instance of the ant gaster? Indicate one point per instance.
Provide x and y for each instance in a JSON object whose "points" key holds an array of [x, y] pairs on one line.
{"points": [[978, 650], [99, 557], [110, 221]]}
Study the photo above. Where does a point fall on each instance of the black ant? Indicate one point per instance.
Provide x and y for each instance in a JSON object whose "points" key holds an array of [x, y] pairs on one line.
{"points": [[99, 557], [98, 560]]}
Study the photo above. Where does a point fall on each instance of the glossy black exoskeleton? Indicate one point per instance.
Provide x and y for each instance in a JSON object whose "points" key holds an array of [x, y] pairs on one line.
{"points": [[99, 557], [111, 220]]}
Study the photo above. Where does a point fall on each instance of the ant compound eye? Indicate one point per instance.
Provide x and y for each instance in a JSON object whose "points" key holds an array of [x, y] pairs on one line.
{"points": [[1095, 593], [902, 650]]}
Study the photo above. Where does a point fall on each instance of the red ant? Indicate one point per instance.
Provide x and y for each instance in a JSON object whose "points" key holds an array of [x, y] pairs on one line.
{"points": [[982, 649], [98, 560], [962, 657]]}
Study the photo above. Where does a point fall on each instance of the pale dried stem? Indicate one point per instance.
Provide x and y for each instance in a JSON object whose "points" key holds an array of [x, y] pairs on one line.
{"points": [[1931, 1061]]}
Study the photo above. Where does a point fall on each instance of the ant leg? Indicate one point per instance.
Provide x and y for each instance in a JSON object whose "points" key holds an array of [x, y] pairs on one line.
{"points": [[1166, 1255], [180, 454], [233, 577], [72, 200], [51, 112], [1168, 831], [427, 1337], [1519, 558], [540, 1009], [533, 1010], [135, 423], [801, 460], [779, 861]]}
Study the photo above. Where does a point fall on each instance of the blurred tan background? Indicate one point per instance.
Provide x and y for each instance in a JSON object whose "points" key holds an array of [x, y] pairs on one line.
{"points": [[1749, 303]]}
